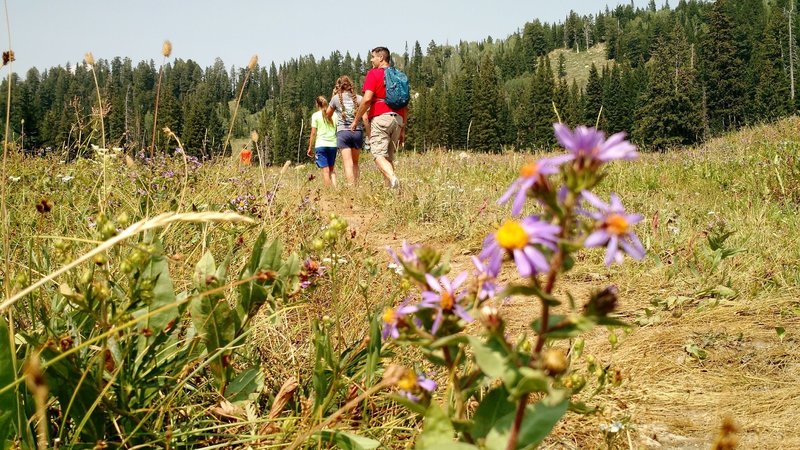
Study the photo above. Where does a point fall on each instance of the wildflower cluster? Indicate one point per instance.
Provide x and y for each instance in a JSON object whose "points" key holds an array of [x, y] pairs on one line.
{"points": [[568, 217]]}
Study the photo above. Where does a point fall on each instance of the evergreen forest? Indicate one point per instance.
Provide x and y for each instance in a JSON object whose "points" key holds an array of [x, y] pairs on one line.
{"points": [[673, 76]]}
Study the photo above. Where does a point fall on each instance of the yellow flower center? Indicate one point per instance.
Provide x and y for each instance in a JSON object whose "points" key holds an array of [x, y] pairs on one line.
{"points": [[512, 236], [617, 224], [447, 301], [408, 382], [529, 170], [389, 316]]}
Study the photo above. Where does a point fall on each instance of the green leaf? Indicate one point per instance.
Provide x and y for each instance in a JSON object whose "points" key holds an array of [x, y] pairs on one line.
{"points": [[6, 425], [66, 382], [494, 406], [694, 350], [562, 327], [348, 441], [215, 324], [612, 322], [529, 291], [448, 340], [779, 330], [492, 359], [530, 380], [538, 421], [412, 406], [157, 270], [8, 399], [437, 429], [246, 386], [581, 408]]}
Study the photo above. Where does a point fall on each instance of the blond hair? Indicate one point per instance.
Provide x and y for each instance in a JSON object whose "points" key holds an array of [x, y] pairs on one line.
{"points": [[345, 84], [322, 105]]}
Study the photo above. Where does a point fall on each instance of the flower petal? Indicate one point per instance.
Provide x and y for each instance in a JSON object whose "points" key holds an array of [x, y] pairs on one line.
{"points": [[611, 250], [460, 278], [433, 282], [596, 239]]}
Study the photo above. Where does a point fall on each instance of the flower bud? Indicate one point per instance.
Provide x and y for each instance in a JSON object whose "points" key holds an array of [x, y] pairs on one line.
{"points": [[554, 361], [86, 277], [317, 244], [490, 318], [108, 230], [329, 235], [122, 219], [100, 259]]}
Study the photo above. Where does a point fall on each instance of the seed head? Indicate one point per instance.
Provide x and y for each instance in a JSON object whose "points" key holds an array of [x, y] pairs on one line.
{"points": [[602, 302], [89, 58], [254, 136], [253, 62], [166, 49], [8, 57]]}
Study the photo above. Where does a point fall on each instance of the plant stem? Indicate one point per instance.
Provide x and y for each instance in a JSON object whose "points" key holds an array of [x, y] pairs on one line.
{"points": [[155, 110], [555, 266], [459, 398]]}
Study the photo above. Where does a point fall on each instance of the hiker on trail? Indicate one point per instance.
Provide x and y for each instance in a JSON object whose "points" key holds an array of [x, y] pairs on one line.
{"points": [[245, 155], [322, 142], [345, 102], [387, 124]]}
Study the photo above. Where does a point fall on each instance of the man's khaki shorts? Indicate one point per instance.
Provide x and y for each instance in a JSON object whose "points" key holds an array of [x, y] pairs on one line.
{"points": [[385, 136]]}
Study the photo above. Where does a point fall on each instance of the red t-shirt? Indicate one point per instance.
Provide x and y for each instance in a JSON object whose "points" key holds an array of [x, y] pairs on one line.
{"points": [[374, 82]]}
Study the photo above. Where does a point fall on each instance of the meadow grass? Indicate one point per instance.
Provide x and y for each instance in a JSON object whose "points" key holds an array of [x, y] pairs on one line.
{"points": [[705, 341]]}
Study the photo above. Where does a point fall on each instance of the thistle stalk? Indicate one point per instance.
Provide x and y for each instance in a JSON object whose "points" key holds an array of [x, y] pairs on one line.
{"points": [[8, 58], [166, 50], [250, 67]]}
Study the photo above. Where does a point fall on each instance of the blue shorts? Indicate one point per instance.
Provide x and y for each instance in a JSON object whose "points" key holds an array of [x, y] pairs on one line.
{"points": [[326, 156], [350, 139]]}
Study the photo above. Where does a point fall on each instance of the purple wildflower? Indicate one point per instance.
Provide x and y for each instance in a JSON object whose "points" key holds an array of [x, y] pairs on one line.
{"points": [[487, 277], [589, 146], [394, 318], [443, 298], [412, 383], [408, 253], [613, 229], [520, 239], [529, 176], [310, 272]]}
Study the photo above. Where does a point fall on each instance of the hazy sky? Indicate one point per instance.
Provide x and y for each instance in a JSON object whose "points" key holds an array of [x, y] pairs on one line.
{"points": [[46, 33]]}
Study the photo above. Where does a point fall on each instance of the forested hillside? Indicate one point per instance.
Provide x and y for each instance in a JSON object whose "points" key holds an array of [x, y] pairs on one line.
{"points": [[674, 76]]}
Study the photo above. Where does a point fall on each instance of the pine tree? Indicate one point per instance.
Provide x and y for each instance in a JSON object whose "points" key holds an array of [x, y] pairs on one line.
{"points": [[772, 93], [670, 113], [594, 98], [541, 105], [723, 73], [485, 133]]}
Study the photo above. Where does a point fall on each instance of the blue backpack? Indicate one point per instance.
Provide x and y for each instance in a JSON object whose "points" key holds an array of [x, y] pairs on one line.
{"points": [[397, 91]]}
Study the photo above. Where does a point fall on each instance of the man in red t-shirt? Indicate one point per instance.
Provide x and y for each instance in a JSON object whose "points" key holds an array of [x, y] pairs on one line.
{"points": [[388, 125]]}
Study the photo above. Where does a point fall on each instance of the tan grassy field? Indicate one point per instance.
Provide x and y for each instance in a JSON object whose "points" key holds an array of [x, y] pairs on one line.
{"points": [[577, 64]]}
